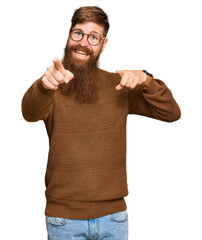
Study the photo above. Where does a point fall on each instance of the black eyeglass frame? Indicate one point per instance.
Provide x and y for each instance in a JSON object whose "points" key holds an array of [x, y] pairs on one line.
{"points": [[83, 34]]}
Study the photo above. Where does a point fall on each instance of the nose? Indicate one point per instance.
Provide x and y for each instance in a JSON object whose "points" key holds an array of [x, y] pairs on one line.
{"points": [[84, 41]]}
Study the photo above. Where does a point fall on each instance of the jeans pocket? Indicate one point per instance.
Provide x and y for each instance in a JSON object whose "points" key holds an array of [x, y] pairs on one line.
{"points": [[119, 216], [56, 221]]}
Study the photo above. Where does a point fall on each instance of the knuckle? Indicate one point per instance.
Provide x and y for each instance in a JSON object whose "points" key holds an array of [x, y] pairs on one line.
{"points": [[43, 78], [46, 73], [130, 75], [60, 80], [48, 68], [123, 82], [57, 83]]}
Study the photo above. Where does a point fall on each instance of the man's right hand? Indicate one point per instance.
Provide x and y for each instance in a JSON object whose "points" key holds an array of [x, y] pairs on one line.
{"points": [[55, 75]]}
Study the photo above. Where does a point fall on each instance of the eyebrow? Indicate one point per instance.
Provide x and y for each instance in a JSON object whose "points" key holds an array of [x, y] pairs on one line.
{"points": [[95, 32], [83, 31]]}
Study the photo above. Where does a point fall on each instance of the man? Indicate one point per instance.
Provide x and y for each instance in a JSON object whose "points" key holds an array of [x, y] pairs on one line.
{"points": [[84, 110]]}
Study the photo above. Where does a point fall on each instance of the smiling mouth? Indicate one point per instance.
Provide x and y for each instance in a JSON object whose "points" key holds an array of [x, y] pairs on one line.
{"points": [[82, 53]]}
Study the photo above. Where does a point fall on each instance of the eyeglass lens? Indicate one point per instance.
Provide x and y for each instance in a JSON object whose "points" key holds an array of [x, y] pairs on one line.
{"points": [[92, 38]]}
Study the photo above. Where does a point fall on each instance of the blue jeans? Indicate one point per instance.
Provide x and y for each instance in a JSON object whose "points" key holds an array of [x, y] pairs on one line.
{"points": [[110, 227]]}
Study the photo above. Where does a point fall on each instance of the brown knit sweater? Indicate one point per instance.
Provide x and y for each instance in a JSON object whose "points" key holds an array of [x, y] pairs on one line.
{"points": [[86, 169]]}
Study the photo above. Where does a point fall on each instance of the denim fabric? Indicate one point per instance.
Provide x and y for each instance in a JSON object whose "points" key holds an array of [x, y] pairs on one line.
{"points": [[110, 227]]}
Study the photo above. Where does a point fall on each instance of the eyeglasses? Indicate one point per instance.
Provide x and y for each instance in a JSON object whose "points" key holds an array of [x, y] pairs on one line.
{"points": [[92, 38]]}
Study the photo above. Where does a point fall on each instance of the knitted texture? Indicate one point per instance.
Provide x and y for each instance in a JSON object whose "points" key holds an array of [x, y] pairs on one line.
{"points": [[86, 170]]}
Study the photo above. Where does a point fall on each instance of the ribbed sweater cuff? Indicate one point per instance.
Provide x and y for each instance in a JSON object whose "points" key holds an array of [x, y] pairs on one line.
{"points": [[152, 87], [42, 89]]}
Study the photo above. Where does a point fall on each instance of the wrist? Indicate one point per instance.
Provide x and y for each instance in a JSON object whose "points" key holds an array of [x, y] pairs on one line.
{"points": [[144, 77], [148, 78], [147, 73]]}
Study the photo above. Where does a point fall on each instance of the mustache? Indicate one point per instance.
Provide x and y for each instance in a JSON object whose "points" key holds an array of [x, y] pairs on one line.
{"points": [[80, 48]]}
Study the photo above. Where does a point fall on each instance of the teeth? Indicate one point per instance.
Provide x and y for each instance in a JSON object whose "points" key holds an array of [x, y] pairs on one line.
{"points": [[80, 52]]}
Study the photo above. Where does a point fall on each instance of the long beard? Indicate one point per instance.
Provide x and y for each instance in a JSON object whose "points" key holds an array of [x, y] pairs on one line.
{"points": [[84, 83]]}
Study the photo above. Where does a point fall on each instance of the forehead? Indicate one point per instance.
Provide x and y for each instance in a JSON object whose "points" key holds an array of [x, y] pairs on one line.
{"points": [[89, 27]]}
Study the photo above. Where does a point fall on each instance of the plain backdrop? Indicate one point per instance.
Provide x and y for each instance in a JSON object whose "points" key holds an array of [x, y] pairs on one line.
{"points": [[163, 159]]}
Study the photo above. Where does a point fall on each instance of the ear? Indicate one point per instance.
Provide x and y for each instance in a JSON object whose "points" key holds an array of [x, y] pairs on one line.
{"points": [[104, 43]]}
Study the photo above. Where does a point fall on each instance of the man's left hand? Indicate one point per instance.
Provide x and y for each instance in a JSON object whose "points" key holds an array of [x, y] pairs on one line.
{"points": [[130, 78]]}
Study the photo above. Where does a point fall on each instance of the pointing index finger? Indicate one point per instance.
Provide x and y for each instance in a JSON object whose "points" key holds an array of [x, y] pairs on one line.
{"points": [[59, 66], [120, 72]]}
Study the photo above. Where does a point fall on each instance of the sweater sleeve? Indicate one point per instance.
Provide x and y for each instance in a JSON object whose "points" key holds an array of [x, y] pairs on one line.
{"points": [[153, 100], [37, 102]]}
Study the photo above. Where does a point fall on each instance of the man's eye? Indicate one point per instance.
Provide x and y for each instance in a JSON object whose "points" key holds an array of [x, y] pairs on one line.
{"points": [[77, 33], [94, 37]]}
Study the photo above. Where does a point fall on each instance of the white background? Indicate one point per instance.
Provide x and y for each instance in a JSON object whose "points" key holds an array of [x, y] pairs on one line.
{"points": [[163, 159]]}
